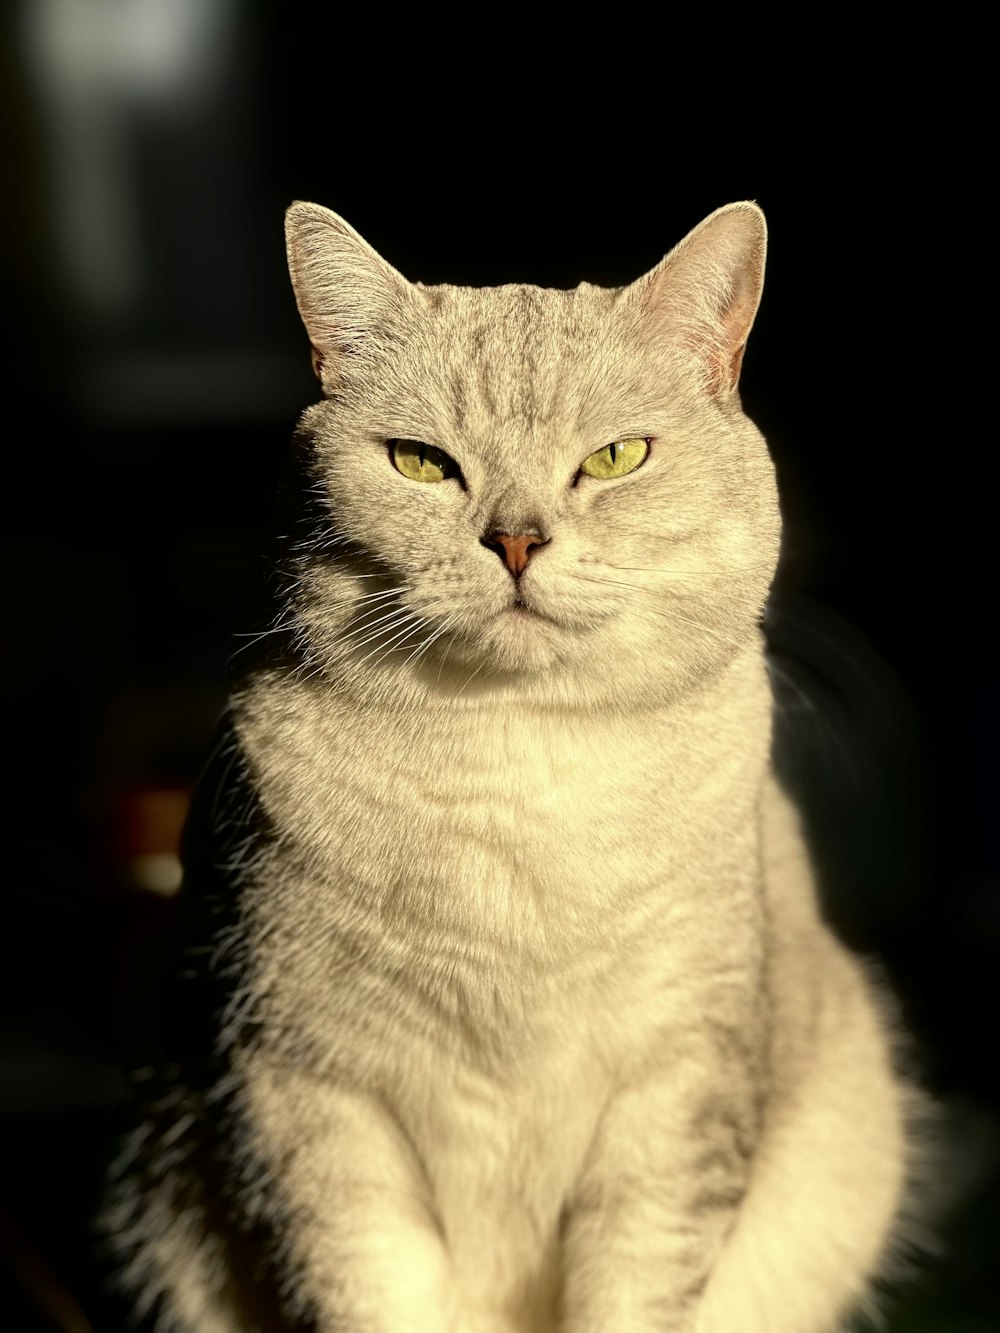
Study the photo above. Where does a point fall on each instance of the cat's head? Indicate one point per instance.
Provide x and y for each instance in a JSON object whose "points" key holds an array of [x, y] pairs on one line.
{"points": [[520, 487]]}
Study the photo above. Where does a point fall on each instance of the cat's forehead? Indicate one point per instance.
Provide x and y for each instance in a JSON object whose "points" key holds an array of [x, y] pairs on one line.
{"points": [[517, 353], [518, 319]]}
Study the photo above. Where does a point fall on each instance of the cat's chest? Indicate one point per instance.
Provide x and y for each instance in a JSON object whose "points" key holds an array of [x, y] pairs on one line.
{"points": [[538, 806], [500, 810], [479, 883], [515, 829]]}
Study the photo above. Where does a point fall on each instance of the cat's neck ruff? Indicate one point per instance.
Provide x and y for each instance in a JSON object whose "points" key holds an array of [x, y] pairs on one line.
{"points": [[689, 772], [728, 711], [495, 697], [546, 848]]}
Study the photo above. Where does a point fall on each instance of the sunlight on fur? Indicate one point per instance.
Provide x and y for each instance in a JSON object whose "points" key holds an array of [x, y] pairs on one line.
{"points": [[505, 1004]]}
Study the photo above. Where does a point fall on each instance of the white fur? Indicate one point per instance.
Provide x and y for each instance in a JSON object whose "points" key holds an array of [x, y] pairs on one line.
{"points": [[550, 1033]]}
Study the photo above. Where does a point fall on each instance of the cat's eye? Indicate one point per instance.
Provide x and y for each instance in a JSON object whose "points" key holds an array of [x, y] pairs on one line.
{"points": [[616, 460], [421, 462]]}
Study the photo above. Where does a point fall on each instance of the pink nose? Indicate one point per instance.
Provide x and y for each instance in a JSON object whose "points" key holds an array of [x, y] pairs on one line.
{"points": [[514, 551]]}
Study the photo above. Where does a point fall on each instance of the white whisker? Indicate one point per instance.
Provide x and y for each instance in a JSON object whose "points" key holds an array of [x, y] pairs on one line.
{"points": [[654, 591], [665, 611], [403, 634], [367, 632], [419, 652], [471, 678], [663, 569]]}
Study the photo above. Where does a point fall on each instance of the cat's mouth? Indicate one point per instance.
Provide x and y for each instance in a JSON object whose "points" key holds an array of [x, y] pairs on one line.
{"points": [[523, 609]]}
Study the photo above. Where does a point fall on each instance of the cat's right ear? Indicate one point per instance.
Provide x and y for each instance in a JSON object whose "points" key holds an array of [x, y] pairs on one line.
{"points": [[345, 291]]}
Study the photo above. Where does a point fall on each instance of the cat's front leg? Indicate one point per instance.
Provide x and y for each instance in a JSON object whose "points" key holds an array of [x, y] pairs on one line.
{"points": [[354, 1205], [665, 1177]]}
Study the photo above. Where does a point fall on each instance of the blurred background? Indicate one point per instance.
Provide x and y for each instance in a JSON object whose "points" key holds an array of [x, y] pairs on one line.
{"points": [[154, 368]]}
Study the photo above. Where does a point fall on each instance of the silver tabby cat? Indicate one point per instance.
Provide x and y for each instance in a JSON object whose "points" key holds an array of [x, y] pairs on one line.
{"points": [[528, 1017]]}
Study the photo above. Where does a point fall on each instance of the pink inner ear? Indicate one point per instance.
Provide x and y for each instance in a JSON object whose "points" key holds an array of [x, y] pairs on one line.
{"points": [[715, 328], [724, 355], [720, 356], [724, 371], [735, 365]]}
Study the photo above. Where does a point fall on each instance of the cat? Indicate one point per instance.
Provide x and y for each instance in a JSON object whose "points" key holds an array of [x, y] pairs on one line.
{"points": [[505, 1003]]}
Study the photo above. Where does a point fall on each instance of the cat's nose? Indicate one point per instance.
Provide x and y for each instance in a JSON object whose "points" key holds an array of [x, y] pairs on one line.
{"points": [[515, 552]]}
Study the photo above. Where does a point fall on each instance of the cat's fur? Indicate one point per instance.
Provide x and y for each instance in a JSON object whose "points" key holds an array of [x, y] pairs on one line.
{"points": [[524, 1016]]}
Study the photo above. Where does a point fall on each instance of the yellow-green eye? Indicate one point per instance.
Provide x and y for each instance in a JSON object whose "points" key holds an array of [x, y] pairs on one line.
{"points": [[616, 460], [422, 462]]}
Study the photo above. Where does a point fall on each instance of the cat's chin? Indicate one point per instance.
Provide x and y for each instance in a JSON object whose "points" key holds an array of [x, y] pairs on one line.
{"points": [[523, 638], [526, 638], [518, 641]]}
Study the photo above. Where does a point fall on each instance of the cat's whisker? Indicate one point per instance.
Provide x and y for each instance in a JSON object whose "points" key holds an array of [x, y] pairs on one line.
{"points": [[665, 611], [362, 609], [385, 592], [254, 635], [727, 638], [394, 644], [367, 633], [417, 649], [324, 542], [284, 627], [654, 591], [663, 569], [653, 586], [367, 629], [301, 675], [399, 625], [471, 678], [419, 652], [698, 625], [688, 632], [364, 624], [360, 617], [422, 648], [444, 660], [377, 636]]}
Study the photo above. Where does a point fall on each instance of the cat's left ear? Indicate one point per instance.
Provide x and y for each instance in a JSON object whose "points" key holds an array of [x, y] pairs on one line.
{"points": [[705, 293]]}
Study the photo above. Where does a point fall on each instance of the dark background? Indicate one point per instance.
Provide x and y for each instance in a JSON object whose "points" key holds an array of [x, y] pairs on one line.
{"points": [[154, 368]]}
